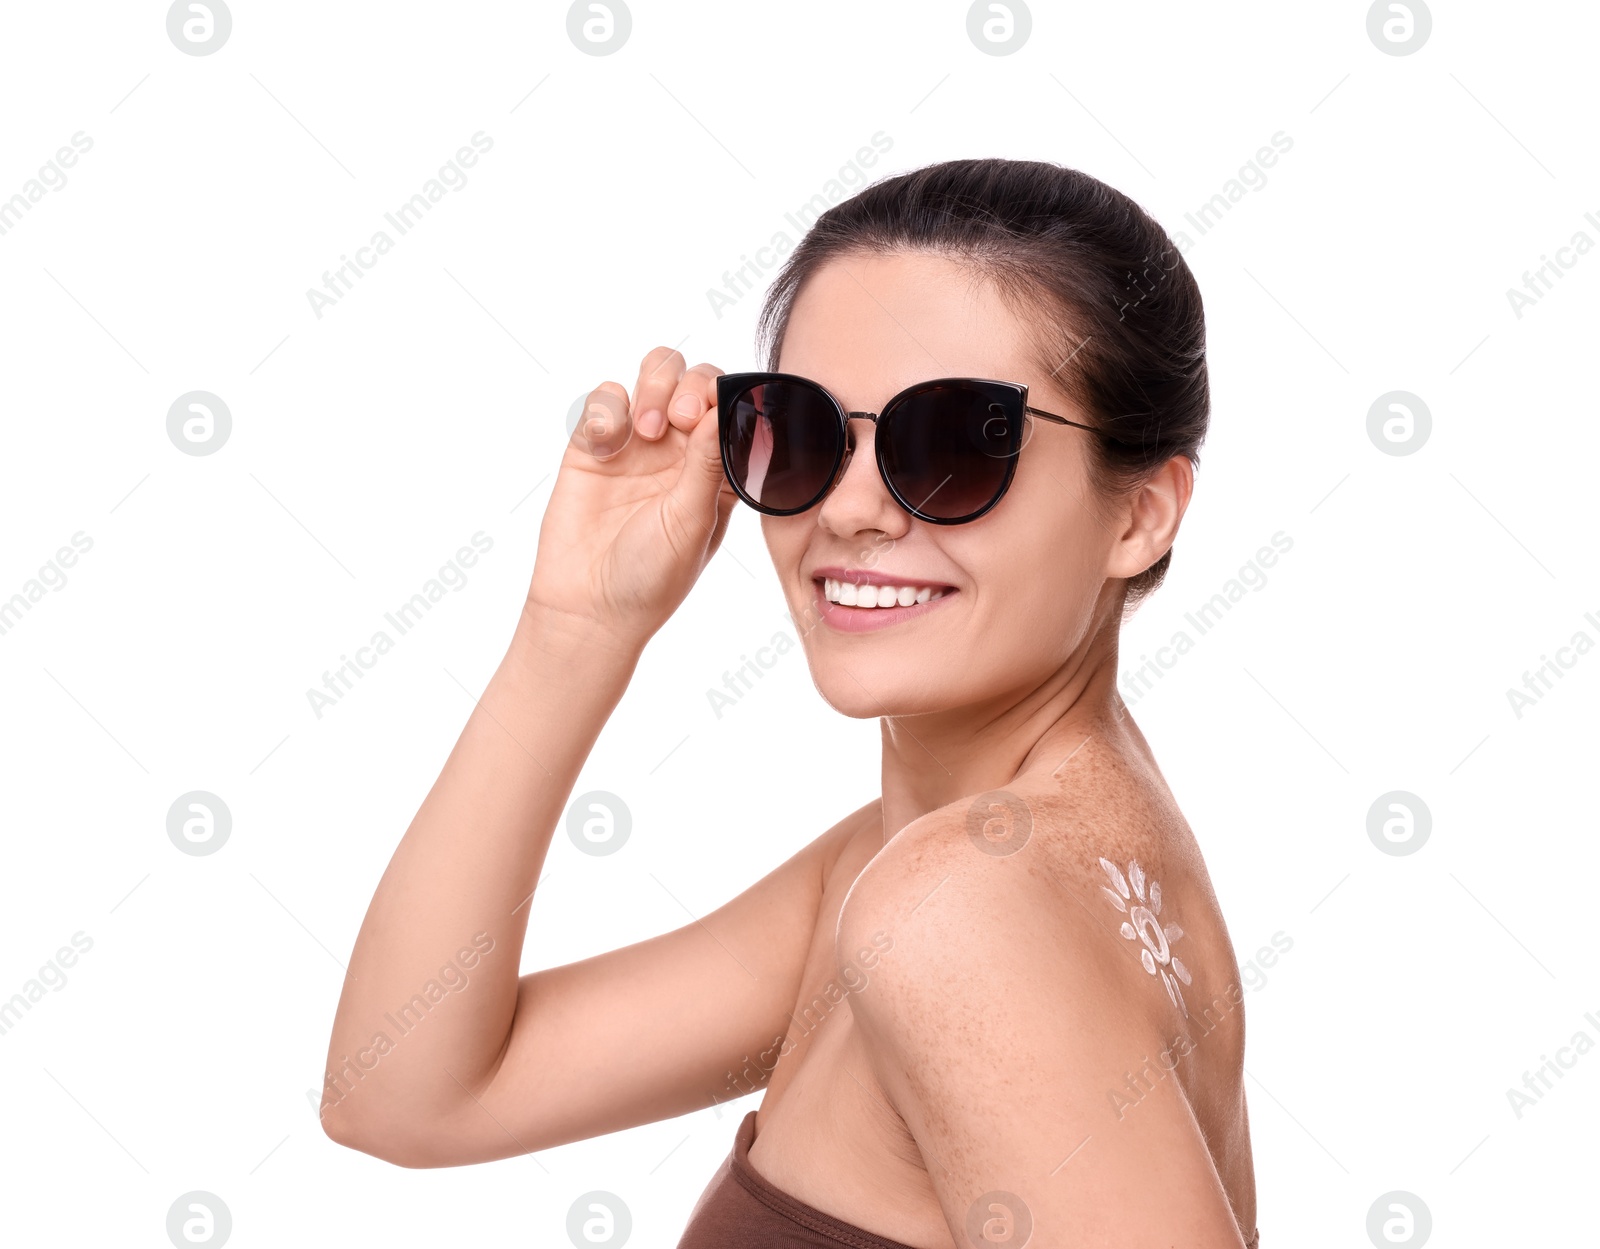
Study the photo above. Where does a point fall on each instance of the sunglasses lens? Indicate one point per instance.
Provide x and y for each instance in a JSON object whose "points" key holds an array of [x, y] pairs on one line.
{"points": [[949, 450], [780, 443]]}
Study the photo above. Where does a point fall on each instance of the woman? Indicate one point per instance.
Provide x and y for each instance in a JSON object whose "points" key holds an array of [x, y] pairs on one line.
{"points": [[996, 1005]]}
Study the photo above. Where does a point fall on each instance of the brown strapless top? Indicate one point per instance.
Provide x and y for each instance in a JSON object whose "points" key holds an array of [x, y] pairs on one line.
{"points": [[741, 1210]]}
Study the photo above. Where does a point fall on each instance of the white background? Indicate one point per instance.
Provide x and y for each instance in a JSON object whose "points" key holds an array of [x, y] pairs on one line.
{"points": [[429, 403]]}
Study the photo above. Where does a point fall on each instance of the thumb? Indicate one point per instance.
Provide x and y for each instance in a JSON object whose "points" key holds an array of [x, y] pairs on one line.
{"points": [[693, 507]]}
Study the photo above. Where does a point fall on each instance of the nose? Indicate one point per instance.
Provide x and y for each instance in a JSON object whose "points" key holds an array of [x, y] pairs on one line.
{"points": [[859, 499]]}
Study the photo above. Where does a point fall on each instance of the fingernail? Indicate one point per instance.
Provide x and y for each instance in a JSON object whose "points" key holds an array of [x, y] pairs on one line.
{"points": [[687, 405], [651, 423]]}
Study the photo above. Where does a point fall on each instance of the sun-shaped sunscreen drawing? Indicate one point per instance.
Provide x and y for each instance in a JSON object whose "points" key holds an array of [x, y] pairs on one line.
{"points": [[1142, 906]]}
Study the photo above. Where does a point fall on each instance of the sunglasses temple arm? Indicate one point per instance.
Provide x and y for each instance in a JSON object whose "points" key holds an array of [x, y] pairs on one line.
{"points": [[1093, 429]]}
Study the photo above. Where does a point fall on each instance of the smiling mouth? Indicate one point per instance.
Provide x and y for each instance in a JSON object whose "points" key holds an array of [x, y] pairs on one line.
{"points": [[850, 594]]}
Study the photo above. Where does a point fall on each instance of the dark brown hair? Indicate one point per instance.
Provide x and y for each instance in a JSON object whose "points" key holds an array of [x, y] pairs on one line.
{"points": [[1117, 316]]}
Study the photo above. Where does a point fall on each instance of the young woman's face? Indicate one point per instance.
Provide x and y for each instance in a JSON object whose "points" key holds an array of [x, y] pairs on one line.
{"points": [[1023, 579]]}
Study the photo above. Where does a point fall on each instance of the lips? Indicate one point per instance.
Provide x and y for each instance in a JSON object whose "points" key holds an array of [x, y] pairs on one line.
{"points": [[892, 600]]}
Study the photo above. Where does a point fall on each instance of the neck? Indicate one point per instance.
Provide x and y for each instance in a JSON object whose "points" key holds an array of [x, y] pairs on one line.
{"points": [[939, 758]]}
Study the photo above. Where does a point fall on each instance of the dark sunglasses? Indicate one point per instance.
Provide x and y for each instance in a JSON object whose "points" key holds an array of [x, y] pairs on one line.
{"points": [[946, 449]]}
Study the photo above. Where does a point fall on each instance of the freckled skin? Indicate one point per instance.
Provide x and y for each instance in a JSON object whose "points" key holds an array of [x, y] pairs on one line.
{"points": [[990, 1039]]}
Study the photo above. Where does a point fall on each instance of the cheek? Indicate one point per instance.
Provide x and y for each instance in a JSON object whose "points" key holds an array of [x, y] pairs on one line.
{"points": [[1064, 526], [1044, 559]]}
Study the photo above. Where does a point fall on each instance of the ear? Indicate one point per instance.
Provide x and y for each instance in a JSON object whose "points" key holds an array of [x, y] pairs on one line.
{"points": [[1149, 518]]}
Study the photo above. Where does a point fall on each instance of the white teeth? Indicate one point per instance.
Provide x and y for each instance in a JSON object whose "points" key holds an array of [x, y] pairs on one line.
{"points": [[849, 594]]}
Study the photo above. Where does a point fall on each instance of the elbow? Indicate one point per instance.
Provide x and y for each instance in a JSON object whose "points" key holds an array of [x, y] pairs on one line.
{"points": [[388, 1141], [344, 1127], [366, 1118]]}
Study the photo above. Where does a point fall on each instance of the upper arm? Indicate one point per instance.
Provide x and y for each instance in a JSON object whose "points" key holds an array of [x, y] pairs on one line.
{"points": [[650, 1030], [1003, 1029]]}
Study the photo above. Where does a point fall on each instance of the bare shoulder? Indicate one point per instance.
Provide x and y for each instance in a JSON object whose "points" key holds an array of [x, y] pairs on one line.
{"points": [[1038, 950], [1108, 901], [1038, 877]]}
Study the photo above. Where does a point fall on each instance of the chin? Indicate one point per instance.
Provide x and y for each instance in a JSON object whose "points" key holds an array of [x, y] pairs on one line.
{"points": [[865, 693]]}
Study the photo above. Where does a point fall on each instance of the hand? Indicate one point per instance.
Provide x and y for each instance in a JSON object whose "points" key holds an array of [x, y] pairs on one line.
{"points": [[640, 502]]}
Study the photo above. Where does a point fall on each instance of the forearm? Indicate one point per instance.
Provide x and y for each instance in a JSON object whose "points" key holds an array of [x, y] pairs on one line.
{"points": [[461, 879]]}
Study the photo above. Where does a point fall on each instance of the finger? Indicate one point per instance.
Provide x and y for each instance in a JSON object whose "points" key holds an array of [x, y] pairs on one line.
{"points": [[658, 377], [603, 427], [727, 500], [695, 393], [696, 498]]}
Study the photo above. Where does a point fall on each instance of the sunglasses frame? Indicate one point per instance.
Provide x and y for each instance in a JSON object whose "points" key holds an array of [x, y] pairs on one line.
{"points": [[1014, 395]]}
